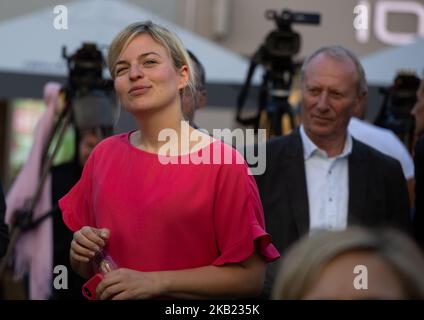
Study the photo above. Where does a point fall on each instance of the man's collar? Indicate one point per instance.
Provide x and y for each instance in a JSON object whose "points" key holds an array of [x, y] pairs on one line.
{"points": [[310, 148]]}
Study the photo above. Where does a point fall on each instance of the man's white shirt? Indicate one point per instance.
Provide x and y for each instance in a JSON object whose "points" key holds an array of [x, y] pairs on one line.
{"points": [[327, 181]]}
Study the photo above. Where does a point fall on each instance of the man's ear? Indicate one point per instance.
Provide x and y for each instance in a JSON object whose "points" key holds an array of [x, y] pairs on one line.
{"points": [[184, 77], [361, 105]]}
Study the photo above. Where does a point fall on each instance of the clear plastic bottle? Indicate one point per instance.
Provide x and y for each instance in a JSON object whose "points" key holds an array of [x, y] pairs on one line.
{"points": [[102, 263]]}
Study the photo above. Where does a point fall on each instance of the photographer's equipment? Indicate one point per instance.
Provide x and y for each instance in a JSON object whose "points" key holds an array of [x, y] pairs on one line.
{"points": [[276, 56], [395, 112], [90, 104], [93, 99]]}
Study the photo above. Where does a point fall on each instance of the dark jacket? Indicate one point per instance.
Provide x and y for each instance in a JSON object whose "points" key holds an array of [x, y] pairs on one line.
{"points": [[64, 177]]}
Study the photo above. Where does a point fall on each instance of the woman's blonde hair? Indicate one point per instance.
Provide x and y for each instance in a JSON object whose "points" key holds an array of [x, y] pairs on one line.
{"points": [[301, 266], [161, 35]]}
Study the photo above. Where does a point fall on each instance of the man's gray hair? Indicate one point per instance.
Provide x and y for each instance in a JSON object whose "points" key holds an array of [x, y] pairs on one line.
{"points": [[340, 53]]}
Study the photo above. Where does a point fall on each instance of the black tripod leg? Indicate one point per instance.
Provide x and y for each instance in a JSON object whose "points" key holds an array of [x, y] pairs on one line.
{"points": [[17, 230]]}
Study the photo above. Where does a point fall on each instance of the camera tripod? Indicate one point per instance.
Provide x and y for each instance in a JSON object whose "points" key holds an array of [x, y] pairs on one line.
{"points": [[275, 55], [24, 217]]}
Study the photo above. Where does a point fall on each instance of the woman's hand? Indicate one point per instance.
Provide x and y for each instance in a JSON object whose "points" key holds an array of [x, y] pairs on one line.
{"points": [[86, 243], [124, 284], [236, 280]]}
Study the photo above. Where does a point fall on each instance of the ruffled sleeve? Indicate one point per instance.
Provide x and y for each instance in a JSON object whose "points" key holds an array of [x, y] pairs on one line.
{"points": [[239, 218], [76, 205]]}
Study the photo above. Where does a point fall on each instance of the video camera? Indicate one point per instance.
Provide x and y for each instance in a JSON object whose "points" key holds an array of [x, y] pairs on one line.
{"points": [[275, 55], [284, 42], [91, 97], [85, 67], [399, 99]]}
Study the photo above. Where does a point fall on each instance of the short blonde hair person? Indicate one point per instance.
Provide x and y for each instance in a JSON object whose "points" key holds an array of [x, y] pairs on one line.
{"points": [[161, 35], [300, 268]]}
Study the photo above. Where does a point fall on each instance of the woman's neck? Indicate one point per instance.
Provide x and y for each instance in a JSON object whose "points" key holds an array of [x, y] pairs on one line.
{"points": [[152, 125]]}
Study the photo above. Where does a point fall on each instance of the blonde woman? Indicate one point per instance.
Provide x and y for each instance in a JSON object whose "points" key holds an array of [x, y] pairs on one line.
{"points": [[356, 263], [181, 229]]}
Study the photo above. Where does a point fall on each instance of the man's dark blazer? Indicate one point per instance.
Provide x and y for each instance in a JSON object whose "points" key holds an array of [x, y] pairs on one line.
{"points": [[377, 191]]}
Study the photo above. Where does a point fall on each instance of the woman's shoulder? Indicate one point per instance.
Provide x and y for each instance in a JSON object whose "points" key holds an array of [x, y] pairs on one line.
{"points": [[228, 159], [227, 151], [112, 143]]}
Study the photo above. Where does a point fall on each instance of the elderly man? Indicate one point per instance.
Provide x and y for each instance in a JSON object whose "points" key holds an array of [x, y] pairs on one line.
{"points": [[319, 177], [418, 113]]}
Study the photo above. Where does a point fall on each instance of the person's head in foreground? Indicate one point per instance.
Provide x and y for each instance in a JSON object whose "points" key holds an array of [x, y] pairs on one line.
{"points": [[356, 263]]}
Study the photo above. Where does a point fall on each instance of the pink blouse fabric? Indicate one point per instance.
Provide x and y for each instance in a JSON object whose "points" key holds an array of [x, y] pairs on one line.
{"points": [[169, 216]]}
